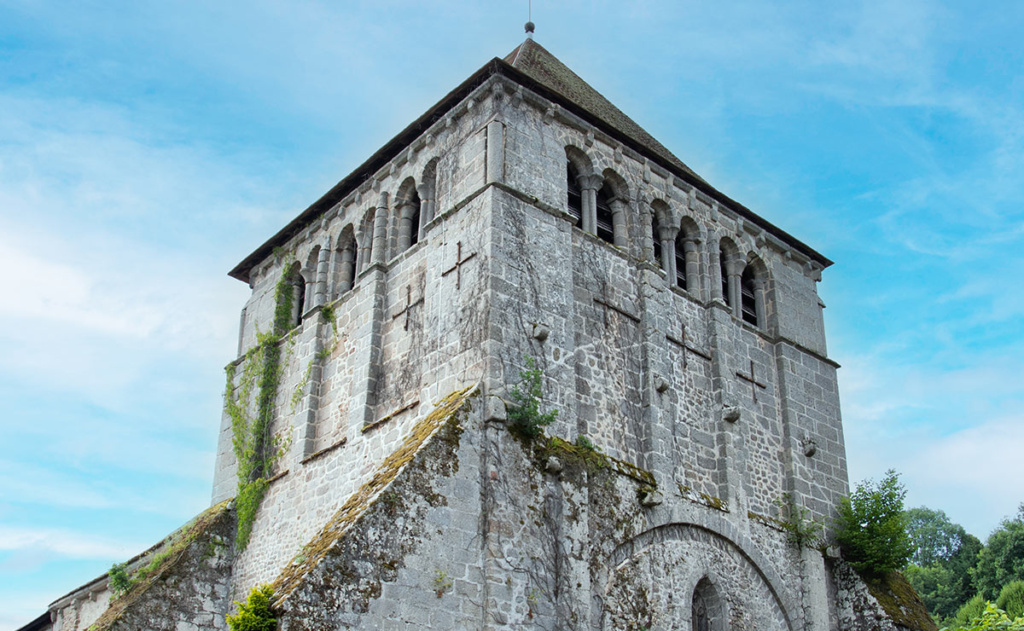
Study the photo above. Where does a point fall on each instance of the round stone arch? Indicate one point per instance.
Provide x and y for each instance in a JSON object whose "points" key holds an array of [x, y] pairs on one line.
{"points": [[650, 580]]}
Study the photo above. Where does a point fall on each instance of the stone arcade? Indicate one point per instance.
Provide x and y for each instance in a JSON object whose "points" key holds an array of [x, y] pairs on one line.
{"points": [[678, 332]]}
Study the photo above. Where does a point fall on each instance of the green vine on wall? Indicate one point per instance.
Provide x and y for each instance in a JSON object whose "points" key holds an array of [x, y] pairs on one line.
{"points": [[256, 449], [327, 314]]}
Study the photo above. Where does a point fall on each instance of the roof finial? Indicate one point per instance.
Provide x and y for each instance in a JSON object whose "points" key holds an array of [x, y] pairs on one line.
{"points": [[529, 21]]}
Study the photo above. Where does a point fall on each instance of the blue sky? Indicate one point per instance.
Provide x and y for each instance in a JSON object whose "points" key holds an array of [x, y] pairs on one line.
{"points": [[145, 148]]}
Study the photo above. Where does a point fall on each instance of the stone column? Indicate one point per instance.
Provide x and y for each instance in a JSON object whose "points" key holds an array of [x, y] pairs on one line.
{"points": [[667, 236], [691, 253], [588, 188], [322, 263], [346, 273], [619, 207], [495, 152], [734, 270], [406, 209], [759, 296], [380, 228], [426, 207]]}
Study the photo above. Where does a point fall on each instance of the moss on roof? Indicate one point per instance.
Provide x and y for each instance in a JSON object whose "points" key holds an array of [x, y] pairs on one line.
{"points": [[899, 600]]}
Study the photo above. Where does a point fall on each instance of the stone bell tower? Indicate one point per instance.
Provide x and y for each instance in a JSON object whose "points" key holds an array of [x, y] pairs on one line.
{"points": [[368, 451]]}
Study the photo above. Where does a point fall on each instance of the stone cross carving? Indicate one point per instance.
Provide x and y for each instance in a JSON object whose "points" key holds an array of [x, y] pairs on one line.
{"points": [[409, 304], [457, 268], [754, 383], [681, 342]]}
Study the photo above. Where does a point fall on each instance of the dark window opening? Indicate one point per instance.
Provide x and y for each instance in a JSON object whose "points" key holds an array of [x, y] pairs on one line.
{"points": [[575, 194], [298, 284], [748, 302], [681, 261], [656, 238], [725, 278], [414, 225], [605, 227]]}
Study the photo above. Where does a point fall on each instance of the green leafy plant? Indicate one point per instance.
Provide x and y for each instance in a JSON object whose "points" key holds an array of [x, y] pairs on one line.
{"points": [[442, 582], [801, 529], [255, 614], [119, 580], [524, 414], [584, 443], [991, 618], [871, 527], [1011, 599]]}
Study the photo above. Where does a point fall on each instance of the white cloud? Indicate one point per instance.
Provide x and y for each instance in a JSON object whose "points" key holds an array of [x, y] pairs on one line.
{"points": [[66, 543]]}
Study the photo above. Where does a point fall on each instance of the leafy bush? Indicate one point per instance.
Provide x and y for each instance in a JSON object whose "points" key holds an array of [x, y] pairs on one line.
{"points": [[871, 528], [119, 580], [255, 613], [524, 415], [991, 618], [1011, 599], [971, 611]]}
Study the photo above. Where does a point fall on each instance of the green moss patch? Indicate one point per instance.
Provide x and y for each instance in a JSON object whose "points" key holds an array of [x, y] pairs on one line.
{"points": [[900, 602]]}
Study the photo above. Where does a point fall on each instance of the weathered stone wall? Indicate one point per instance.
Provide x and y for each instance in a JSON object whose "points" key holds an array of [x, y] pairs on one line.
{"points": [[181, 584]]}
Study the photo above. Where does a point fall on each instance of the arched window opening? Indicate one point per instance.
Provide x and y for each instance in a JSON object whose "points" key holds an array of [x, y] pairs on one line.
{"points": [[681, 261], [605, 221], [575, 197], [708, 612], [656, 239]]}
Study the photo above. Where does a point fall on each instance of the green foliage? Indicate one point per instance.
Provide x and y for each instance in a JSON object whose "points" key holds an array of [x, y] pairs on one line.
{"points": [[988, 618], [943, 557], [934, 536], [584, 443], [442, 582], [971, 610], [119, 581], [801, 529], [871, 527], [249, 401], [1011, 599], [255, 614], [1001, 561], [524, 415]]}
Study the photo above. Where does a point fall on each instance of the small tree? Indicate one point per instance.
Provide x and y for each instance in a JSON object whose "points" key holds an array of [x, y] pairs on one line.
{"points": [[524, 415], [255, 613], [871, 528]]}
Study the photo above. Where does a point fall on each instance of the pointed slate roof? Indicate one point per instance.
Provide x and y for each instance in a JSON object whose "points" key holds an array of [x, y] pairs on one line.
{"points": [[536, 62], [536, 69]]}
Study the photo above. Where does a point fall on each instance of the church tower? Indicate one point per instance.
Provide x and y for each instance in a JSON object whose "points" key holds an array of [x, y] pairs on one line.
{"points": [[523, 252]]}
